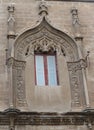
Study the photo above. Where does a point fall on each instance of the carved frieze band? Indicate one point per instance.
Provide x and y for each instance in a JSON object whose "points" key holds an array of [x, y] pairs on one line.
{"points": [[15, 63], [75, 74], [18, 79], [29, 118], [77, 65], [44, 40], [20, 87]]}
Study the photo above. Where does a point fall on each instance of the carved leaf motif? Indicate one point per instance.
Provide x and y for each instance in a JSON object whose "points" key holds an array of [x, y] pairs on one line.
{"points": [[43, 40], [74, 68]]}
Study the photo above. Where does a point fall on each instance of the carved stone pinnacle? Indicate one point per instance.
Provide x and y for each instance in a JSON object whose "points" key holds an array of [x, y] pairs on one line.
{"points": [[11, 8], [11, 22], [43, 10], [76, 24], [74, 11]]}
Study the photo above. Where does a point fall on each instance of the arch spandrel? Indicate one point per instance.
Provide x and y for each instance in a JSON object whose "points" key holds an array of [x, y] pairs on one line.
{"points": [[46, 33]]}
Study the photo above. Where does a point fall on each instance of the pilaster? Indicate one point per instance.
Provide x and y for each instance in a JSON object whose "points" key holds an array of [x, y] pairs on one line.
{"points": [[79, 41]]}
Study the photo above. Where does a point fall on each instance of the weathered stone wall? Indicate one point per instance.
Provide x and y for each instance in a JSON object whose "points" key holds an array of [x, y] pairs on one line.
{"points": [[51, 127], [2, 127], [26, 16], [44, 127]]}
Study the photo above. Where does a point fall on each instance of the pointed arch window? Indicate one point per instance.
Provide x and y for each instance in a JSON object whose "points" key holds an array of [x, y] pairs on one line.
{"points": [[46, 69]]}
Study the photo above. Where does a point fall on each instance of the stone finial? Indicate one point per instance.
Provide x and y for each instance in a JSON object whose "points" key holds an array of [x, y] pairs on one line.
{"points": [[11, 21], [76, 23], [75, 19], [87, 58], [11, 8], [43, 10]]}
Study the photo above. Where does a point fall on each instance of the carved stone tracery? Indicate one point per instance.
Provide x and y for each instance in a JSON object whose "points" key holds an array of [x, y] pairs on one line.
{"points": [[77, 65], [18, 69], [34, 118], [44, 45], [44, 38], [76, 85]]}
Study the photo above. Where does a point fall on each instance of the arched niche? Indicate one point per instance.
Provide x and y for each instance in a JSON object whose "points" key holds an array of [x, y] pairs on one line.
{"points": [[63, 97]]}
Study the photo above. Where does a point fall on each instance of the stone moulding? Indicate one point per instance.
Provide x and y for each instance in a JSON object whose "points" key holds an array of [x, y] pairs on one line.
{"points": [[77, 65], [45, 38], [18, 69], [42, 34], [35, 118], [75, 72], [15, 63], [73, 0]]}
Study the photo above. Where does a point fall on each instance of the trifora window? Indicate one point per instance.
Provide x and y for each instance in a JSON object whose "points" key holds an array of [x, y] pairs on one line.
{"points": [[46, 69]]}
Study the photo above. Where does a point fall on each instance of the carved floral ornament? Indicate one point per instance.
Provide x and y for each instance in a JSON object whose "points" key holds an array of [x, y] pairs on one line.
{"points": [[78, 65], [44, 38], [15, 63]]}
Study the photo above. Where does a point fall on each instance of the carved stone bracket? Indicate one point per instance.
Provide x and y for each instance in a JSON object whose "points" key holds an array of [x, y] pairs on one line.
{"points": [[15, 63], [77, 65], [11, 113]]}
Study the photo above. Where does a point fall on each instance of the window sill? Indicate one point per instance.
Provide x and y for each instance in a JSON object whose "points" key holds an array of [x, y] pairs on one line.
{"points": [[46, 86]]}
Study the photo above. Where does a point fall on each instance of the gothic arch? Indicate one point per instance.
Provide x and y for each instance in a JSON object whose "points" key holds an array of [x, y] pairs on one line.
{"points": [[44, 36]]}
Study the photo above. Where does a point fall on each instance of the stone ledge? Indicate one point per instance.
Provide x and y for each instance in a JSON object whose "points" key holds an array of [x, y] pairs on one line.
{"points": [[45, 118], [73, 0]]}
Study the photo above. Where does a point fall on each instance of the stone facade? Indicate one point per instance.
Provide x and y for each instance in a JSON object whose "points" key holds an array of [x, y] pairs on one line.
{"points": [[66, 28]]}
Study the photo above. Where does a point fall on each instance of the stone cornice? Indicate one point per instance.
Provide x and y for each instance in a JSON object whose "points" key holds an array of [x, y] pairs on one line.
{"points": [[44, 118], [73, 0]]}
